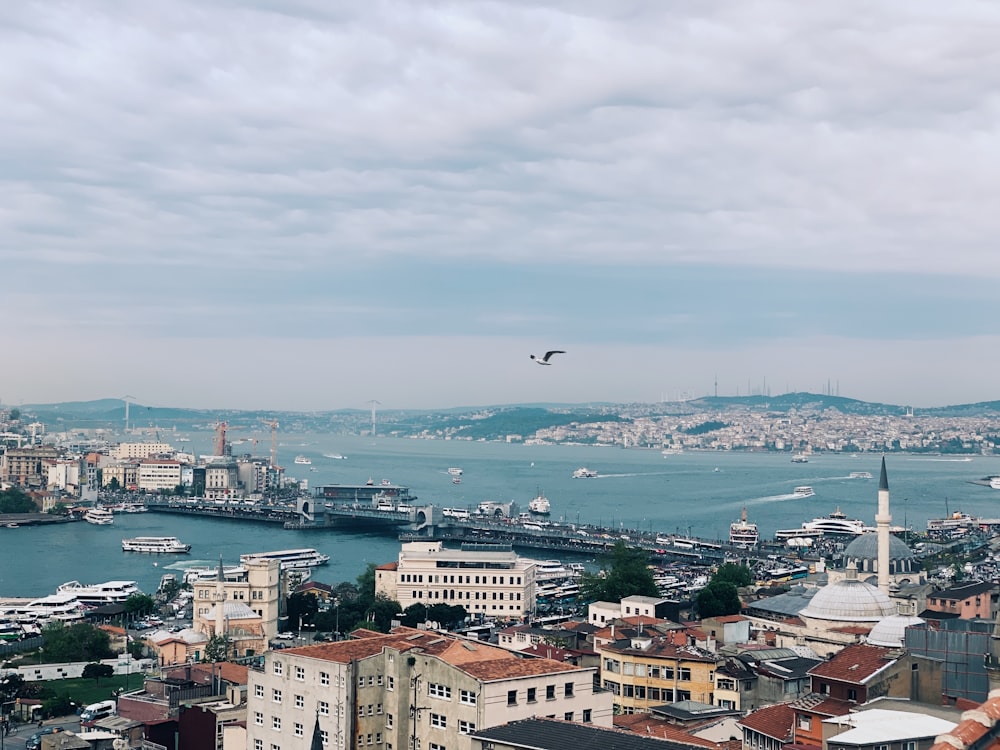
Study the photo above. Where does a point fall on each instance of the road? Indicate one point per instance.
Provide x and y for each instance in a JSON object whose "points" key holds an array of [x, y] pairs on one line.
{"points": [[17, 740]]}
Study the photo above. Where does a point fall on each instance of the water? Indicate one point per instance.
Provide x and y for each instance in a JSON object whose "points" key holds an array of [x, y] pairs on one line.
{"points": [[635, 489]]}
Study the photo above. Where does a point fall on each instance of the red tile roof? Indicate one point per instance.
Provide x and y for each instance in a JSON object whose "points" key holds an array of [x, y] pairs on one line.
{"points": [[856, 664], [774, 721], [388, 566], [645, 725]]}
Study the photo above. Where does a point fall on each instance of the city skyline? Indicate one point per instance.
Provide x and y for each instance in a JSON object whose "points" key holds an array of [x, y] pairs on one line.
{"points": [[284, 205]]}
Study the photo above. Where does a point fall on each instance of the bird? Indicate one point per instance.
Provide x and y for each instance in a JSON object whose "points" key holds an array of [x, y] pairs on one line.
{"points": [[545, 360]]}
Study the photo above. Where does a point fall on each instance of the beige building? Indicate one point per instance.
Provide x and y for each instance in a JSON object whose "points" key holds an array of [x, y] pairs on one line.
{"points": [[256, 587], [221, 480], [131, 451], [488, 580], [386, 691], [127, 474], [158, 474], [28, 467]]}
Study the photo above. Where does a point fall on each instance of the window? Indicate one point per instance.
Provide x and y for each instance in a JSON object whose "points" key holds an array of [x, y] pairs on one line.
{"points": [[324, 678], [258, 718], [550, 692], [324, 737], [435, 746], [361, 680], [258, 691], [467, 697], [276, 695], [568, 689], [299, 731], [361, 709], [278, 668], [378, 738], [531, 695], [466, 727], [439, 720], [805, 722], [276, 723], [390, 682], [324, 708], [300, 674], [371, 709], [378, 709], [586, 716], [435, 690], [388, 721], [300, 702], [258, 745], [511, 697], [684, 673], [568, 716], [852, 694]]}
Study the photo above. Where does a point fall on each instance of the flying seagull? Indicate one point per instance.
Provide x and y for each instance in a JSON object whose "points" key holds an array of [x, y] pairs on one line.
{"points": [[545, 360]]}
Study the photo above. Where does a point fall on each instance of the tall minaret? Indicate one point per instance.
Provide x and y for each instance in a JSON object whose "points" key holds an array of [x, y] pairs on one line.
{"points": [[882, 521], [220, 601]]}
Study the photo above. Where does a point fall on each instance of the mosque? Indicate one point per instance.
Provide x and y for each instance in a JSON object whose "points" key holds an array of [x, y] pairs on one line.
{"points": [[872, 599]]}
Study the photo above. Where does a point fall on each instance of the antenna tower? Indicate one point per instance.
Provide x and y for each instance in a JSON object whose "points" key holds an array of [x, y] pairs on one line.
{"points": [[373, 404], [126, 400]]}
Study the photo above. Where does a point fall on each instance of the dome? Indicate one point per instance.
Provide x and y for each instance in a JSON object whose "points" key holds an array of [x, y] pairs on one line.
{"points": [[849, 600], [890, 631], [865, 547]]}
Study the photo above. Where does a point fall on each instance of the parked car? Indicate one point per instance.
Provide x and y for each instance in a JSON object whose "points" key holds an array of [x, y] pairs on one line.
{"points": [[34, 742]]}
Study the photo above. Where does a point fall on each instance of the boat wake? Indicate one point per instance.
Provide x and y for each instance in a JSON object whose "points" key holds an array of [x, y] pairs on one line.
{"points": [[964, 460], [635, 474]]}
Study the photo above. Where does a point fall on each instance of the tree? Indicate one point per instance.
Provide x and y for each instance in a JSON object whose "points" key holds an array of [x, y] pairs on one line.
{"points": [[301, 608], [77, 642], [97, 671], [718, 598], [217, 648], [114, 485], [624, 572], [139, 604], [738, 575], [14, 500]]}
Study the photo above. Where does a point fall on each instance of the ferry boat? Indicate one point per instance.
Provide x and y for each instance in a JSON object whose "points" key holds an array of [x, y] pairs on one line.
{"points": [[860, 475], [672, 451], [837, 523], [955, 522], [302, 460], [99, 594], [60, 607], [455, 471], [456, 480], [99, 516], [540, 505], [552, 570], [803, 490], [995, 483], [584, 473], [800, 458], [155, 545], [742, 533], [289, 558], [460, 514]]}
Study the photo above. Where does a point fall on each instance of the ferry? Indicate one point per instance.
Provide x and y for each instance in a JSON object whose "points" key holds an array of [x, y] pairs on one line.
{"points": [[742, 533], [460, 514], [803, 490], [672, 451], [456, 480], [552, 570], [60, 607], [155, 545], [860, 475], [995, 483], [455, 471], [584, 473], [955, 522], [837, 523], [800, 458], [99, 516], [540, 505], [99, 594], [289, 558], [302, 460]]}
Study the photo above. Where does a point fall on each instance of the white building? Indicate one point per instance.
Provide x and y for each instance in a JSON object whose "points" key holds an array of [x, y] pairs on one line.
{"points": [[156, 474], [385, 691], [126, 451], [489, 580]]}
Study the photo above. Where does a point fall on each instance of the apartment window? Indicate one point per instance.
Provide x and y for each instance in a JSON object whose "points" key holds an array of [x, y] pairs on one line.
{"points": [[550, 692], [911, 745], [390, 682], [466, 727], [324, 678], [467, 697], [299, 731], [278, 668], [368, 738], [361, 709], [378, 679], [586, 716], [435, 746], [568, 689], [258, 691], [436, 690], [531, 695], [324, 737], [258, 718], [378, 708], [276, 695], [684, 673], [276, 723], [568, 716], [378, 738], [300, 702], [258, 745], [805, 722], [371, 709], [388, 721], [361, 680], [439, 720], [324, 708], [511, 697]]}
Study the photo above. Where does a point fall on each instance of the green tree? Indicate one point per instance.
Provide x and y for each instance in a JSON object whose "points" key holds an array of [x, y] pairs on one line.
{"points": [[738, 575], [718, 598], [624, 572], [414, 615], [97, 671], [217, 648], [77, 642], [114, 485], [14, 500], [139, 604], [302, 608]]}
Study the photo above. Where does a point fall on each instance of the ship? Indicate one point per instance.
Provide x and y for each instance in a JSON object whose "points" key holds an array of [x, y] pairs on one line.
{"points": [[860, 475], [155, 545], [800, 458], [837, 523], [455, 471], [540, 505], [99, 594], [302, 460], [803, 490], [584, 473], [289, 558], [743, 533], [98, 516]]}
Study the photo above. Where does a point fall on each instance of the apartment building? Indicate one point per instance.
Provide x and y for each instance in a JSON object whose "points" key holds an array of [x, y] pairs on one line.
{"points": [[28, 467], [158, 474], [127, 474], [133, 451], [486, 579], [221, 480], [409, 689]]}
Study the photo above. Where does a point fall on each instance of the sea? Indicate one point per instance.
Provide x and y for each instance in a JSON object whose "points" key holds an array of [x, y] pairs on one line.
{"points": [[696, 493]]}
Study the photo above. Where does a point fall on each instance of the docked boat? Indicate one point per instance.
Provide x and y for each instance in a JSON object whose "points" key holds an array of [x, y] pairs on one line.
{"points": [[835, 524], [302, 460], [289, 558], [99, 594], [957, 521], [803, 490], [459, 514], [455, 471], [800, 458], [584, 473], [99, 516], [552, 570], [540, 505], [743, 533], [155, 545], [860, 475]]}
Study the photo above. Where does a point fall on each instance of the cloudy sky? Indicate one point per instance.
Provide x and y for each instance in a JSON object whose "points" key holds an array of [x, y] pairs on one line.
{"points": [[299, 204]]}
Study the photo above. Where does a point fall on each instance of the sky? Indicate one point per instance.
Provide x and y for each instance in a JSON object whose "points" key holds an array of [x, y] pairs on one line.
{"points": [[305, 205]]}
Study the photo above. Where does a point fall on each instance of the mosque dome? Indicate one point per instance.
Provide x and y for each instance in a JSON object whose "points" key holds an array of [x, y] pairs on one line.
{"points": [[863, 552], [891, 631], [849, 600]]}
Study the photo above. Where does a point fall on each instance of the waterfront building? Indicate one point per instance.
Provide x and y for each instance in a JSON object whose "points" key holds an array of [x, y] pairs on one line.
{"points": [[133, 451], [241, 603], [126, 472], [390, 690], [221, 479], [490, 580], [28, 467], [158, 474]]}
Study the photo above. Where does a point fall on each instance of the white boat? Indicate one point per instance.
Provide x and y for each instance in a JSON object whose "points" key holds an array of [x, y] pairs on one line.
{"points": [[672, 451], [803, 490], [63, 607], [800, 458], [540, 505], [99, 516], [155, 545], [860, 475], [289, 558], [335, 456], [551, 570], [584, 473], [460, 514], [954, 522], [456, 480], [837, 523], [455, 471], [99, 594], [302, 460], [995, 483], [743, 533]]}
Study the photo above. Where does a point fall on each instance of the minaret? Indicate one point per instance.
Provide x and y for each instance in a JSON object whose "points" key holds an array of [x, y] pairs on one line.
{"points": [[220, 601], [882, 521]]}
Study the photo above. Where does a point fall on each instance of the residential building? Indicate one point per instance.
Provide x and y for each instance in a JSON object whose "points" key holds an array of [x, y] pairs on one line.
{"points": [[409, 688], [28, 467], [489, 580], [158, 474], [126, 472], [132, 451], [552, 734], [221, 480], [603, 613], [967, 601], [877, 729]]}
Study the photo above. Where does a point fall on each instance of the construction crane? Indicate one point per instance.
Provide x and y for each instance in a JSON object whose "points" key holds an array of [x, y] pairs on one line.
{"points": [[220, 439], [273, 424]]}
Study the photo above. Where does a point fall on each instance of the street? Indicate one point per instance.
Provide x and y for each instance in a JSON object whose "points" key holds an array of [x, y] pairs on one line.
{"points": [[17, 740]]}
